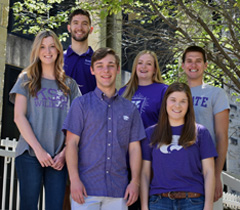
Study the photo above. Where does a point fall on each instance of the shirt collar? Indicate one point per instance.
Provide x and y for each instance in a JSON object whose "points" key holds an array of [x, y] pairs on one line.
{"points": [[102, 95], [70, 51]]}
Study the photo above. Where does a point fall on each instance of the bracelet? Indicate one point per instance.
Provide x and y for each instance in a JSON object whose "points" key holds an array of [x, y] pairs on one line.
{"points": [[138, 184]]}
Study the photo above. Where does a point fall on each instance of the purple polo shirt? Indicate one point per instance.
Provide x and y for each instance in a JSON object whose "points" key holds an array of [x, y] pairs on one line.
{"points": [[106, 126], [78, 67]]}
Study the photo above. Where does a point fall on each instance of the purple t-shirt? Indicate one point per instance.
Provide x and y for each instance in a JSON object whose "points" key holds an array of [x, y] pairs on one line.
{"points": [[176, 168], [78, 67], [105, 126], [148, 100]]}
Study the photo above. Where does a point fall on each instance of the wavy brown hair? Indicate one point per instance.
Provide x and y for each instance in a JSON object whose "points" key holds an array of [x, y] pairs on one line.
{"points": [[132, 84], [34, 70], [162, 133]]}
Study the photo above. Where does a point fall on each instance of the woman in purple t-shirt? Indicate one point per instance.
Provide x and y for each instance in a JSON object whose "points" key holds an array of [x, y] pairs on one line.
{"points": [[180, 153], [145, 87]]}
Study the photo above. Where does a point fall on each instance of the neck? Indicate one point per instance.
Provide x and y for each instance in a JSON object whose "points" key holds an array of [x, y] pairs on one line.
{"points": [[48, 72], [194, 83], [79, 47], [176, 123], [144, 82], [109, 92]]}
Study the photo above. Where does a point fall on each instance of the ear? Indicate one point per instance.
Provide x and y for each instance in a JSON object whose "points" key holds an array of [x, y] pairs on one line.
{"points": [[92, 71], [118, 70], [91, 29], [69, 28], [206, 64]]}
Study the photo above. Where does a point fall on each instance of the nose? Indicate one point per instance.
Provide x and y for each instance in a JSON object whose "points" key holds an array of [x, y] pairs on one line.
{"points": [[48, 50], [105, 69]]}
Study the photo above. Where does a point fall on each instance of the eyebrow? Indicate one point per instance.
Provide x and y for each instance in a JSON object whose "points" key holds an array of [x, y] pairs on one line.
{"points": [[100, 62]]}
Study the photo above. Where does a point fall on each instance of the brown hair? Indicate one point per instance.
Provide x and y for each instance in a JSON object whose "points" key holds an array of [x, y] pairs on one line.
{"points": [[132, 84], [195, 49], [102, 53], [34, 70], [79, 12], [162, 133]]}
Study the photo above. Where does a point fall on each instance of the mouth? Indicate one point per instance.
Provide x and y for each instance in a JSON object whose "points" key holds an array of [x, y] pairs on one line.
{"points": [[193, 70], [177, 112], [48, 56]]}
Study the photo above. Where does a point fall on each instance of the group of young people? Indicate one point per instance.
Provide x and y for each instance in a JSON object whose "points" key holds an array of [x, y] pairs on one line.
{"points": [[172, 140]]}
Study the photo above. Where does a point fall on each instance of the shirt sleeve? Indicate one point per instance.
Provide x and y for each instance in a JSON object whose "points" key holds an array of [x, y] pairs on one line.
{"points": [[75, 91], [18, 88], [207, 148], [75, 118], [145, 144], [221, 102]]}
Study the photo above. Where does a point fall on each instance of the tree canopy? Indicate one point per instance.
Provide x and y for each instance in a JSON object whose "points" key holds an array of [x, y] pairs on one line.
{"points": [[167, 27]]}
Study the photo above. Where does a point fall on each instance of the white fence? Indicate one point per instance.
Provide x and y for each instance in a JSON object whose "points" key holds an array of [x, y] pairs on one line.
{"points": [[10, 192], [11, 200]]}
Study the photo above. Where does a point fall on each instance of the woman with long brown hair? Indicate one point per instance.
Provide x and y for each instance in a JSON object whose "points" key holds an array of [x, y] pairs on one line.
{"points": [[181, 156], [42, 96]]}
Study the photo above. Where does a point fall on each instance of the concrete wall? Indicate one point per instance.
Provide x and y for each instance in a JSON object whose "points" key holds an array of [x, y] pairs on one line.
{"points": [[4, 8]]}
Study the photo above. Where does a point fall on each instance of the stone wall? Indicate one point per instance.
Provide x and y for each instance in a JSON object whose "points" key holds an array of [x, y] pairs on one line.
{"points": [[4, 8]]}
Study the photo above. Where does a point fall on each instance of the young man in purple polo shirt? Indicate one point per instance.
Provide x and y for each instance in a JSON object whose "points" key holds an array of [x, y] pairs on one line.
{"points": [[101, 127], [77, 58]]}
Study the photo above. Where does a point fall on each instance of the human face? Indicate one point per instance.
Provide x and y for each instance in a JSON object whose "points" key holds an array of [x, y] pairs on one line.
{"points": [[79, 28], [145, 69], [48, 52], [105, 71], [177, 106], [194, 66]]}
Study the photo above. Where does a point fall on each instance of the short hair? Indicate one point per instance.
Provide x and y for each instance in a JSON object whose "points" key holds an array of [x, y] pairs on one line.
{"points": [[195, 49], [79, 12], [102, 53]]}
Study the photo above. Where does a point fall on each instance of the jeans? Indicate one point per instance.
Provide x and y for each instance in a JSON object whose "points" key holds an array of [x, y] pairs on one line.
{"points": [[32, 176], [157, 202]]}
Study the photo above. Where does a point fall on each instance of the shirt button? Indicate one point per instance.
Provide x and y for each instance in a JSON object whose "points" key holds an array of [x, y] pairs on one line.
{"points": [[107, 172], [109, 131], [109, 105], [109, 145], [108, 158], [109, 118]]}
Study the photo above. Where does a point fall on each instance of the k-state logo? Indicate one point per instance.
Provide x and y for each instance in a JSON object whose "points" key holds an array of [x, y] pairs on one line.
{"points": [[167, 149]]}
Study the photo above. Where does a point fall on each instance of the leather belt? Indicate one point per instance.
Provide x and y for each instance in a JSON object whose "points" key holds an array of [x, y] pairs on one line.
{"points": [[180, 195]]}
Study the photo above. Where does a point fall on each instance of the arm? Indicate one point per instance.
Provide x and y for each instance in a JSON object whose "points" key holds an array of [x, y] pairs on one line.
{"points": [[135, 159], [221, 131], [20, 110], [145, 182], [78, 190], [209, 182]]}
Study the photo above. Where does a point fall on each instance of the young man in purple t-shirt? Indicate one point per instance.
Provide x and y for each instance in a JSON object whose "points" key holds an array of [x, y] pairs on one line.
{"points": [[101, 127], [77, 58]]}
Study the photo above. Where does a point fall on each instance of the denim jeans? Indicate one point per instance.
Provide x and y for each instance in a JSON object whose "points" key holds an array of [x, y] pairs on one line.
{"points": [[32, 176], [157, 202]]}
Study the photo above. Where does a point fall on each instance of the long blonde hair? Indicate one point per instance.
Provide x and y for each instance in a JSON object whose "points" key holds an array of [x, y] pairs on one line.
{"points": [[34, 70], [132, 84]]}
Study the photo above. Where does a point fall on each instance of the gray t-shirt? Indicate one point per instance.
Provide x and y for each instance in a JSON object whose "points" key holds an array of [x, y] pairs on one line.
{"points": [[207, 102], [45, 113]]}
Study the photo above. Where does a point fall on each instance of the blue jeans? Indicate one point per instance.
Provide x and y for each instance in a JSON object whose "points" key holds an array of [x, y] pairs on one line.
{"points": [[32, 176], [157, 202]]}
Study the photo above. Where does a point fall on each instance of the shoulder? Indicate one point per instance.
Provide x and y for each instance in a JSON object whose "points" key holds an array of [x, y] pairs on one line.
{"points": [[121, 90], [150, 129]]}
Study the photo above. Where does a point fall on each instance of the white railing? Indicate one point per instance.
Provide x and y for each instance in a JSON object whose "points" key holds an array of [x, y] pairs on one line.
{"points": [[12, 199]]}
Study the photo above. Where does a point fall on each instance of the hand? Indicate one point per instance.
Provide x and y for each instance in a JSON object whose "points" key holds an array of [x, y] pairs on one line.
{"points": [[218, 188], [132, 192], [78, 191], [44, 158], [59, 161]]}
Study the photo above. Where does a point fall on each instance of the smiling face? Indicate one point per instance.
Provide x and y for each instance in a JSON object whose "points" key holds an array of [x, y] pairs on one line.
{"points": [[105, 71], [80, 28], [48, 52], [177, 106], [194, 67], [145, 69]]}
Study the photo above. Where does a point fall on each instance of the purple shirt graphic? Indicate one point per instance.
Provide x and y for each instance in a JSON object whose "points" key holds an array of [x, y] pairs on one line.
{"points": [[148, 100], [105, 126], [176, 168], [78, 67]]}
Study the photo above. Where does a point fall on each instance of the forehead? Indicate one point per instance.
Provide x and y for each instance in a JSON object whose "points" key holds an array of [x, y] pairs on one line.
{"points": [[178, 94], [107, 59], [48, 40], [194, 55], [146, 57], [80, 18]]}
